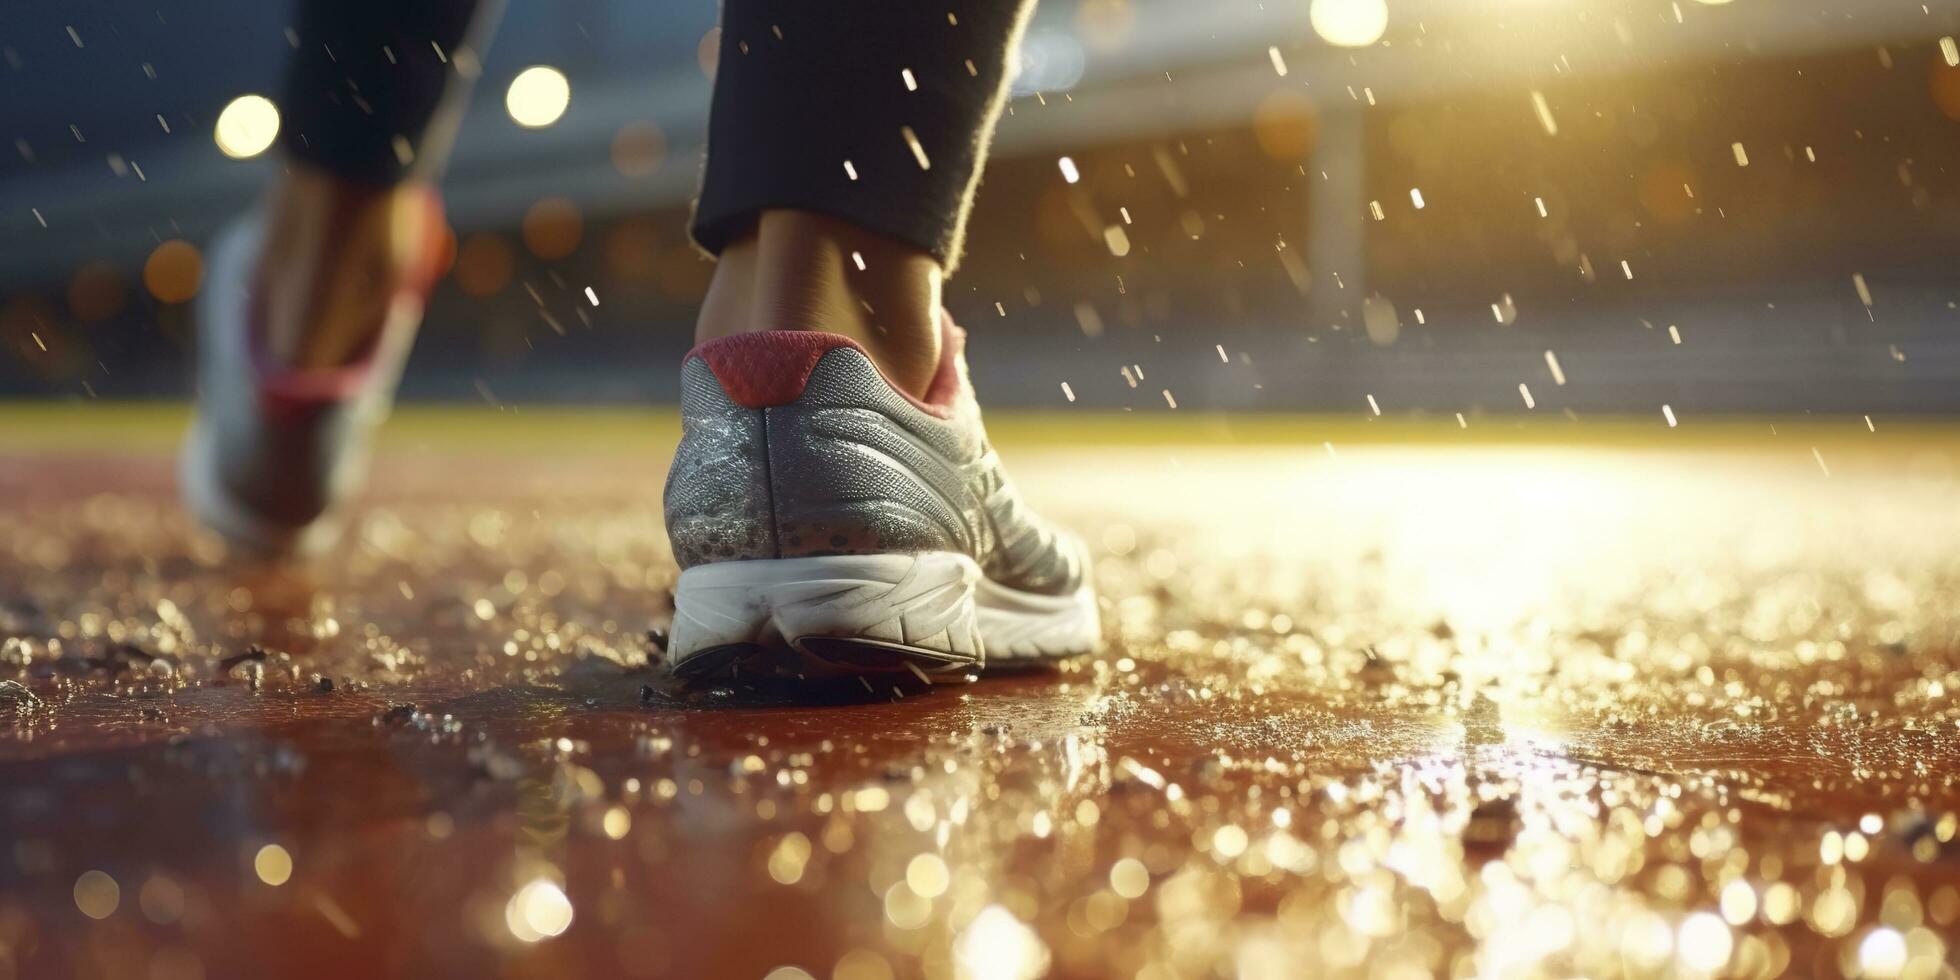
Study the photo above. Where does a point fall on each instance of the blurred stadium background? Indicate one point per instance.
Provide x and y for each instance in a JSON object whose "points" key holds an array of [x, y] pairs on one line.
{"points": [[1433, 206]]}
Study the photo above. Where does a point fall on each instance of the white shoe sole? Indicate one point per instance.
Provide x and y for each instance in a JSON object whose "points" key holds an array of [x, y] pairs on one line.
{"points": [[931, 612]]}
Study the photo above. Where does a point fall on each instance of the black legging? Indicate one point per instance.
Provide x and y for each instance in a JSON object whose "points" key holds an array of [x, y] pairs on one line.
{"points": [[812, 106]]}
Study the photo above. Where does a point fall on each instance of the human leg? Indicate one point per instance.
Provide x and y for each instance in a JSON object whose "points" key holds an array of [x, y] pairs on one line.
{"points": [[835, 492], [844, 147], [312, 301], [372, 95]]}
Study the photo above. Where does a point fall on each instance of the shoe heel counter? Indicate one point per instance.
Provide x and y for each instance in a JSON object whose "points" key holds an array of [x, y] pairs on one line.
{"points": [[717, 497], [854, 469], [794, 445]]}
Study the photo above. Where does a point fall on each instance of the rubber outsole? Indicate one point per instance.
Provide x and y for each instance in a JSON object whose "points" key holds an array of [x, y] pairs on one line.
{"points": [[930, 613], [821, 656]]}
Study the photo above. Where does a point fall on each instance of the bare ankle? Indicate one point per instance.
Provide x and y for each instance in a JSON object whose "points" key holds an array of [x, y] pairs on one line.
{"points": [[336, 255], [805, 271]]}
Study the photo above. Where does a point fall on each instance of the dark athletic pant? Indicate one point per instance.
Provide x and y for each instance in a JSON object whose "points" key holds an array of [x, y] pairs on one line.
{"points": [[812, 108]]}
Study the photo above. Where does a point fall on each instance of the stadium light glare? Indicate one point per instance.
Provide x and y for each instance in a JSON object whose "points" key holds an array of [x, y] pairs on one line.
{"points": [[246, 127], [538, 96], [1349, 23]]}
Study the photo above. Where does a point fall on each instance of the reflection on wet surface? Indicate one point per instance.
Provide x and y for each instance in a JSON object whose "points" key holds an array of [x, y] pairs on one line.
{"points": [[1391, 712]]}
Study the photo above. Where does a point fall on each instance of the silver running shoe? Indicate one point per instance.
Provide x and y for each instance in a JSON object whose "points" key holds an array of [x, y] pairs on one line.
{"points": [[817, 510], [273, 454]]}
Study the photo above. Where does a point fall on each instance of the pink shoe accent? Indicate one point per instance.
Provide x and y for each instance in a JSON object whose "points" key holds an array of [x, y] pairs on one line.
{"points": [[768, 368], [283, 388], [951, 375], [772, 367]]}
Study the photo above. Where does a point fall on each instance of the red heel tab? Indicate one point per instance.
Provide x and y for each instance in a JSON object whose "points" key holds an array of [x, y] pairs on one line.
{"points": [[296, 388], [772, 367], [769, 367]]}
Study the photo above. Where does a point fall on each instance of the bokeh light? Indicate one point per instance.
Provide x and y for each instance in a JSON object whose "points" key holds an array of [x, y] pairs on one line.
{"points": [[927, 875], [638, 149], [483, 265], [1129, 878], [862, 964], [538, 96], [1106, 25], [999, 946], [1116, 240], [1705, 942], [707, 54], [174, 271], [538, 911], [1882, 954], [1349, 23], [246, 127], [1945, 85], [788, 857], [1050, 61], [273, 865], [1738, 902], [617, 822], [97, 894], [553, 228]]}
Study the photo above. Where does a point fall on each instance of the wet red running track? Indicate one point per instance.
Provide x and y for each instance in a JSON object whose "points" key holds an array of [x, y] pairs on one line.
{"points": [[1497, 710]]}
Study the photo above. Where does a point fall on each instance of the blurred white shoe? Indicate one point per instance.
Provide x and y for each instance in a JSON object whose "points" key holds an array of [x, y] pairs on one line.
{"points": [[274, 454]]}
